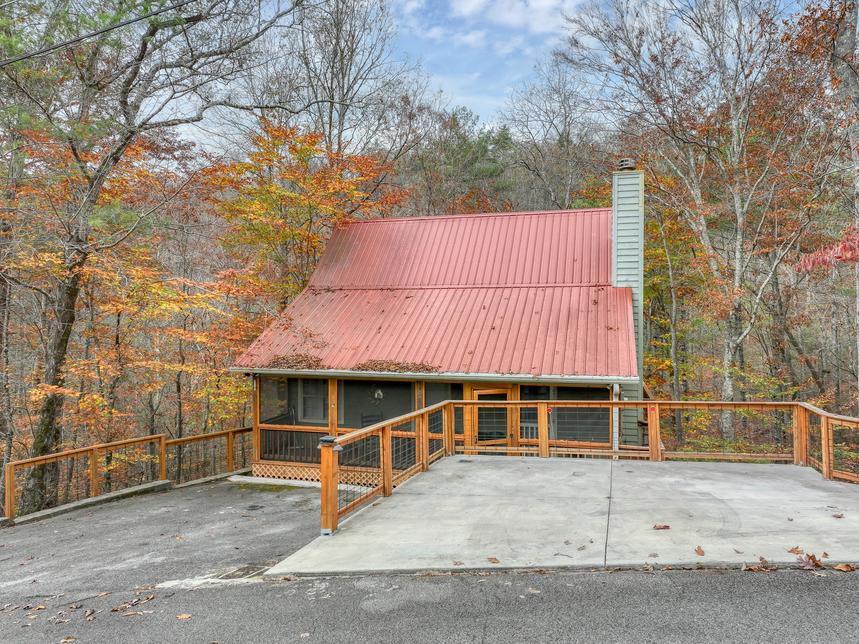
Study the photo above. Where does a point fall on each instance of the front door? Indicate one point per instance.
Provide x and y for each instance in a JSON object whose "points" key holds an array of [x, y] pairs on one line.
{"points": [[492, 424]]}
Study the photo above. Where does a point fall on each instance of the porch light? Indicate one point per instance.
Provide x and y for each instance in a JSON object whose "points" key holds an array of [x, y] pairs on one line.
{"points": [[378, 394]]}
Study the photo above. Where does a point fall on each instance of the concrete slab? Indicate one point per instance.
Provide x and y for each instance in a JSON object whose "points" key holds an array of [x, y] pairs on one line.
{"points": [[557, 513], [736, 512], [468, 512]]}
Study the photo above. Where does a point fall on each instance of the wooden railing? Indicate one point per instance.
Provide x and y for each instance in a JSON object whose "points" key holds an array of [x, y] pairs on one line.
{"points": [[53, 480], [370, 462]]}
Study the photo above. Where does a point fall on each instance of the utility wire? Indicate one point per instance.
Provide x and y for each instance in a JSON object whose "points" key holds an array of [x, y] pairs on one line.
{"points": [[74, 41]]}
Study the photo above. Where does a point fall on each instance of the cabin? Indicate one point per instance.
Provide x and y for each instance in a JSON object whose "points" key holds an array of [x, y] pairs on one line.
{"points": [[408, 312]]}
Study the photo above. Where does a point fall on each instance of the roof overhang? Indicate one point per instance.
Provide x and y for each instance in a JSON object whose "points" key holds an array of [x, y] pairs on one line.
{"points": [[445, 376]]}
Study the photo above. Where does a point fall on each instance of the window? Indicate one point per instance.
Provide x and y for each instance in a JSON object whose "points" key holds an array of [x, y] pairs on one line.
{"points": [[274, 401], [313, 400]]}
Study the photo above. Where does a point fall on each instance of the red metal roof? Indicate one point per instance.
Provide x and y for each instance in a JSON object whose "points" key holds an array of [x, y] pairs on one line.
{"points": [[519, 293], [559, 247]]}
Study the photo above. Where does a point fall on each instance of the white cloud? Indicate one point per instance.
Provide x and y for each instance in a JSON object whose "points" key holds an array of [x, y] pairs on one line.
{"points": [[409, 7], [473, 38], [467, 7], [512, 45], [435, 33], [533, 16]]}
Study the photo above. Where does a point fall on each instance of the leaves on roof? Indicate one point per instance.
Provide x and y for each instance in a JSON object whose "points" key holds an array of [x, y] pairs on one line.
{"points": [[296, 361], [395, 367]]}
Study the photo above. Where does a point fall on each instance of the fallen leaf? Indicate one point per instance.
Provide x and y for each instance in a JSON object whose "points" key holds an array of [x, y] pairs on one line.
{"points": [[796, 550], [838, 515], [68, 639], [132, 613], [458, 563], [661, 526], [74, 606], [699, 551], [825, 555], [809, 561], [763, 566], [183, 616], [844, 567], [580, 548], [90, 615], [739, 552], [493, 560]]}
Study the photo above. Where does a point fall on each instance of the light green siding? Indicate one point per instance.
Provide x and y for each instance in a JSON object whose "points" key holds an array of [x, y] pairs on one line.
{"points": [[627, 241]]}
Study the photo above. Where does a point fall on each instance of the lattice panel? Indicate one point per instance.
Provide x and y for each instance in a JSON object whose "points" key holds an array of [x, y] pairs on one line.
{"points": [[291, 471], [360, 477]]}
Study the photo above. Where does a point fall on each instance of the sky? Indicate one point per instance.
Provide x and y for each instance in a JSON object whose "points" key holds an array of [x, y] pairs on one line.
{"points": [[475, 51]]}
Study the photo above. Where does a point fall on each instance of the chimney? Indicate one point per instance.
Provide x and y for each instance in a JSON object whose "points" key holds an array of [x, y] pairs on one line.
{"points": [[627, 255]]}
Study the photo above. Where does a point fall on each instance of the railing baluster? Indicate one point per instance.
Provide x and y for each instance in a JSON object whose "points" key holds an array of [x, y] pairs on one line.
{"points": [[800, 435], [826, 446], [448, 430], [386, 445], [230, 464], [9, 510], [653, 435], [93, 471], [162, 457], [328, 479], [423, 440], [543, 429]]}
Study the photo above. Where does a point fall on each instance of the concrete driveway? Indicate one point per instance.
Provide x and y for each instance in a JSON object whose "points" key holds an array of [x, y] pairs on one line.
{"points": [[485, 512]]}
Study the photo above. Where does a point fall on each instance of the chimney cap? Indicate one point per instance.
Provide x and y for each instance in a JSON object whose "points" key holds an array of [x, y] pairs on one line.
{"points": [[626, 163]]}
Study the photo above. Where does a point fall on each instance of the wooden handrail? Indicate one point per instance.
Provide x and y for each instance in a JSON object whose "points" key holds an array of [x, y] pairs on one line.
{"points": [[209, 436], [543, 446], [95, 451], [358, 434]]}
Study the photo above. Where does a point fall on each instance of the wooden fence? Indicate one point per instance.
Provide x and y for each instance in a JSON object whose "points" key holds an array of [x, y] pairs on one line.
{"points": [[362, 464], [42, 482]]}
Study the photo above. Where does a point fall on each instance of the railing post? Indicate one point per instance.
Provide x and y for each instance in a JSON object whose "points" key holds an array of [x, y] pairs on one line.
{"points": [[328, 479], [230, 465], [800, 435], [9, 501], [826, 447], [93, 471], [543, 429], [653, 435], [162, 457], [423, 439], [449, 434], [387, 461]]}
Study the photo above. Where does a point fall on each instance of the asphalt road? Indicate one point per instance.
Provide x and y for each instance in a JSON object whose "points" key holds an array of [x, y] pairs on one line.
{"points": [[148, 570], [677, 606]]}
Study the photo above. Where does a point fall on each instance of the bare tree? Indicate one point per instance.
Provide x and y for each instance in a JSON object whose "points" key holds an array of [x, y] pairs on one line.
{"points": [[738, 124], [556, 138], [843, 58]]}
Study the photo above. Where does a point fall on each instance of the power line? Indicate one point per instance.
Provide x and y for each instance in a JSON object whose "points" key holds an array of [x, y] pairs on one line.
{"points": [[74, 41]]}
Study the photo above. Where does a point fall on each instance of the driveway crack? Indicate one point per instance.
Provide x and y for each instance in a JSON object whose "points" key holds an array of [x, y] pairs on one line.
{"points": [[608, 513]]}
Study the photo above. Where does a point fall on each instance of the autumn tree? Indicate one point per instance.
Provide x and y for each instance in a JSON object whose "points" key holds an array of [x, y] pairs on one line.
{"points": [[91, 104], [741, 126], [283, 202]]}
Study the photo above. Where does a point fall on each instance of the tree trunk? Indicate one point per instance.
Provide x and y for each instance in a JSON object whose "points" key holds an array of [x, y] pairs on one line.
{"points": [[6, 427], [40, 488], [844, 64]]}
